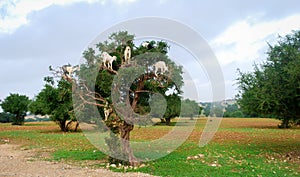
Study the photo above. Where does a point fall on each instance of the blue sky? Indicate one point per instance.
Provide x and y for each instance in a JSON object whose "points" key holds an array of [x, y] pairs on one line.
{"points": [[36, 34]]}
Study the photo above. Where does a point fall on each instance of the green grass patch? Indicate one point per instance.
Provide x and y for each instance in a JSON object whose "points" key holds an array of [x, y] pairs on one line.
{"points": [[78, 155], [217, 160]]}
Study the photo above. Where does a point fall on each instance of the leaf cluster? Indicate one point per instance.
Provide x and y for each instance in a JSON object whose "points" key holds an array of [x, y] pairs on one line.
{"points": [[273, 88]]}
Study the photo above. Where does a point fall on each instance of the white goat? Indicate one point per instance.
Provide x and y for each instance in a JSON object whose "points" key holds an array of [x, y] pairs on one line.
{"points": [[145, 44], [160, 65], [68, 70], [127, 54], [107, 59]]}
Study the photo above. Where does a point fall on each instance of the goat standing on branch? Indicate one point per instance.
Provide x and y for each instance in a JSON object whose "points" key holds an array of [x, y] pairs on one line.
{"points": [[68, 71], [161, 67], [127, 54], [108, 60]]}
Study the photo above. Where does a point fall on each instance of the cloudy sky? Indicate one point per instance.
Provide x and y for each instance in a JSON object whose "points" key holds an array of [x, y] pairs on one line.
{"points": [[35, 34]]}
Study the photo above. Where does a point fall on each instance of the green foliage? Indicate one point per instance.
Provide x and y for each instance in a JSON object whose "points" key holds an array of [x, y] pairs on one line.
{"points": [[233, 111], [173, 107], [17, 105], [6, 117], [158, 105], [273, 88], [89, 55], [213, 109], [129, 85], [190, 108], [166, 108], [206, 108], [238, 114], [55, 101], [142, 86]]}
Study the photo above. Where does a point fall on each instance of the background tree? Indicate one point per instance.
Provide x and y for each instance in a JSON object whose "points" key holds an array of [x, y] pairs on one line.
{"points": [[17, 105], [133, 85], [233, 110], [190, 108], [206, 108], [172, 109], [56, 101], [213, 109], [6, 117], [273, 88]]}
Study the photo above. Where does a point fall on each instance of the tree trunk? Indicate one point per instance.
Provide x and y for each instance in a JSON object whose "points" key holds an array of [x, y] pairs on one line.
{"points": [[125, 129], [285, 123], [62, 125], [168, 121], [69, 125], [18, 120], [76, 126], [125, 143]]}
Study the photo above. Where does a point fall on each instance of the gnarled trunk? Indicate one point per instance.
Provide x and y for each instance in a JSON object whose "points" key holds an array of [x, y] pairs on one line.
{"points": [[68, 126], [125, 130]]}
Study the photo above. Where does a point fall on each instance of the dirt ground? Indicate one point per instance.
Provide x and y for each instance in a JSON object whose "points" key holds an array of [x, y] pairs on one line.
{"points": [[17, 162]]}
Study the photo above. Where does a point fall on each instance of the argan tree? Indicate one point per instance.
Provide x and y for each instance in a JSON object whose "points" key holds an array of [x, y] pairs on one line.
{"points": [[273, 88], [128, 89], [17, 105], [190, 108], [55, 100], [172, 110]]}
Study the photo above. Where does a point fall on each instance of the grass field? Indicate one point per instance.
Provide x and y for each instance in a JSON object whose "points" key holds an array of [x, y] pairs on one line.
{"points": [[241, 147]]}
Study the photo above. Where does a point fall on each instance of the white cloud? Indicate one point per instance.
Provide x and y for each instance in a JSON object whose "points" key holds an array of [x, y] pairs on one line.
{"points": [[123, 1], [14, 13], [247, 40]]}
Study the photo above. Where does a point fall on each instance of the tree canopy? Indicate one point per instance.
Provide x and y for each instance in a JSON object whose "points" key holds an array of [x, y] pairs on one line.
{"points": [[55, 100], [171, 110], [17, 105], [273, 88], [126, 90], [5, 117], [190, 108]]}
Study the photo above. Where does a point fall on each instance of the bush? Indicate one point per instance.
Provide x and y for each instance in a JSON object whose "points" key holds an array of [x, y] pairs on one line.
{"points": [[5, 117], [237, 114]]}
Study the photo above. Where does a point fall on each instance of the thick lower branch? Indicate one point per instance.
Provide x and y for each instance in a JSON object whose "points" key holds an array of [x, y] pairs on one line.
{"points": [[125, 141]]}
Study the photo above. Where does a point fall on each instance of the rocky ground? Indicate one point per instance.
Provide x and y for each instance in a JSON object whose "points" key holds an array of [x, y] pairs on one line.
{"points": [[17, 162]]}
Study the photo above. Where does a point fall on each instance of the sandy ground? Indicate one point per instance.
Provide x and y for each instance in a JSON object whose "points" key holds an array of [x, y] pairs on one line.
{"points": [[17, 162]]}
